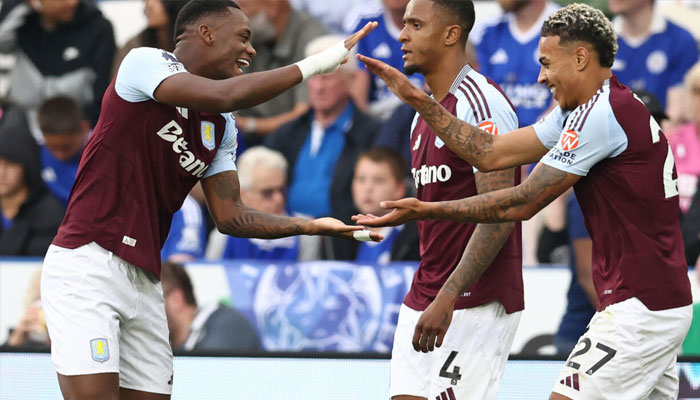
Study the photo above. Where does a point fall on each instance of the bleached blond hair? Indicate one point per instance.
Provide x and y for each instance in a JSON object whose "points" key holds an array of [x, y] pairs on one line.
{"points": [[258, 156], [581, 22]]}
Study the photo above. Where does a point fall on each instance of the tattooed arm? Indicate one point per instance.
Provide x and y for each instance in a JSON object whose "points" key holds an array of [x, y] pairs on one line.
{"points": [[512, 204], [233, 218], [476, 146], [483, 247]]}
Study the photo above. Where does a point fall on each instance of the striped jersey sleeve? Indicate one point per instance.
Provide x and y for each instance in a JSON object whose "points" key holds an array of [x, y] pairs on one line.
{"points": [[587, 135]]}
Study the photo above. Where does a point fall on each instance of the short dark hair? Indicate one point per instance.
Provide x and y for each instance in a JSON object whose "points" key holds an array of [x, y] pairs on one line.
{"points": [[196, 9], [174, 276], [60, 115], [580, 22], [462, 11], [389, 156]]}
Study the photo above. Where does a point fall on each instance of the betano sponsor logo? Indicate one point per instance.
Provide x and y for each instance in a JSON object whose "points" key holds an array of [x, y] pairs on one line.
{"points": [[431, 174], [171, 132]]}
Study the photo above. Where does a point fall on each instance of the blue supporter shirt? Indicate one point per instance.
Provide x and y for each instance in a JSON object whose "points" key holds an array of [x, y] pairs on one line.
{"points": [[378, 252], [286, 249], [510, 58], [309, 192], [187, 231], [383, 44], [579, 310], [58, 175], [657, 63]]}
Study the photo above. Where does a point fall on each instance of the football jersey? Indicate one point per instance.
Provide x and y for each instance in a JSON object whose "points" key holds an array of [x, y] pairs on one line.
{"points": [[628, 194], [440, 175], [510, 58], [657, 63], [383, 44], [286, 248], [141, 161], [188, 231]]}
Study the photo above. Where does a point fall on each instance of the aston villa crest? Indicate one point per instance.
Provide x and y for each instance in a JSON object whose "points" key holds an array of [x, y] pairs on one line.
{"points": [[208, 135]]}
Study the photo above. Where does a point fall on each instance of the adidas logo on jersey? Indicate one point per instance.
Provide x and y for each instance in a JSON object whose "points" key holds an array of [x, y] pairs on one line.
{"points": [[171, 132], [431, 174], [571, 381]]}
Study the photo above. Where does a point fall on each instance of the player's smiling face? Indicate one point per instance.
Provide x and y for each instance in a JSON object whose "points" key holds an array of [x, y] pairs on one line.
{"points": [[232, 45], [419, 36], [558, 71]]}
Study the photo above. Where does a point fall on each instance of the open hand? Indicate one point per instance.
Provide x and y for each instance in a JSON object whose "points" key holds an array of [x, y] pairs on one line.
{"points": [[394, 79], [352, 40], [404, 210], [432, 326], [333, 227]]}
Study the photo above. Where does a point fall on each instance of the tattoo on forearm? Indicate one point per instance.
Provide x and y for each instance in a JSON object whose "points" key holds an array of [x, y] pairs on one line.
{"points": [[467, 141], [506, 204], [248, 222]]}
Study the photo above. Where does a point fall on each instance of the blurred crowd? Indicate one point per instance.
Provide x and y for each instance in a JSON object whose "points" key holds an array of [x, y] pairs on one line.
{"points": [[335, 146]]}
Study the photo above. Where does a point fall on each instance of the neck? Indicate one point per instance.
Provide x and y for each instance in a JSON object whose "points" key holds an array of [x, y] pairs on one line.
{"points": [[180, 331], [638, 22], [11, 203], [327, 117], [48, 23], [187, 55], [590, 85], [441, 77], [526, 17]]}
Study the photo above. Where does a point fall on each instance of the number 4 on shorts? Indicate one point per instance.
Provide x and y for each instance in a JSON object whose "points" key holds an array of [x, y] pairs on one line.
{"points": [[454, 375]]}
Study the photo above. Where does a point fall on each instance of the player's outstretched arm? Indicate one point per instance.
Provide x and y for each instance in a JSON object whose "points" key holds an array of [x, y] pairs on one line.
{"points": [[513, 204], [248, 90], [476, 146], [483, 247], [222, 192]]}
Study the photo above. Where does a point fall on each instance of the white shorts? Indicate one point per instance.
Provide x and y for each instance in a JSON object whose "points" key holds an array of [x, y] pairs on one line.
{"points": [[106, 315], [468, 365], [628, 352]]}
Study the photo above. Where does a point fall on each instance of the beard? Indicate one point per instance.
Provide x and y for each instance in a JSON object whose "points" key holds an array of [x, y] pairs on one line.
{"points": [[411, 69]]}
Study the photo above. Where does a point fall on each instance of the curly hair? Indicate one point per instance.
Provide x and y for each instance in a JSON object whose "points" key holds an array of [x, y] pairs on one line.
{"points": [[580, 22]]}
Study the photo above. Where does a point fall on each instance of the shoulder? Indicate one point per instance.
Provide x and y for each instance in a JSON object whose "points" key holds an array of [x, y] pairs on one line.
{"points": [[678, 32], [486, 28]]}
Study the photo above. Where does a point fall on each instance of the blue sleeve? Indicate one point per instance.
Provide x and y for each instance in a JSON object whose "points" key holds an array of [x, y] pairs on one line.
{"points": [[574, 218], [225, 158], [686, 55], [187, 231]]}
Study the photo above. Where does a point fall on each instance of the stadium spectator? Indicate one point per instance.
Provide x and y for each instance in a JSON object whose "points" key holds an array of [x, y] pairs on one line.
{"points": [[281, 37], [685, 143], [159, 32], [321, 144], [581, 297], [165, 125], [62, 47], [187, 237], [31, 333], [506, 48], [486, 315], [29, 214], [379, 175], [262, 174], [372, 94], [65, 132], [654, 53], [212, 327], [338, 16], [606, 144]]}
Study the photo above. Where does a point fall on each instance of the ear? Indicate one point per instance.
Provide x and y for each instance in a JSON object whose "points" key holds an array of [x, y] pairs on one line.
{"points": [[206, 34], [582, 55], [452, 34]]}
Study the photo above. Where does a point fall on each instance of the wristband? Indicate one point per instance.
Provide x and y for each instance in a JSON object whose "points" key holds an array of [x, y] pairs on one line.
{"points": [[362, 236], [324, 62]]}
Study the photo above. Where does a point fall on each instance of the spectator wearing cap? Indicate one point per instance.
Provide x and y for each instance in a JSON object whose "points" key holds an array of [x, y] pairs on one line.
{"points": [[29, 214], [685, 143]]}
